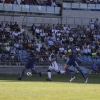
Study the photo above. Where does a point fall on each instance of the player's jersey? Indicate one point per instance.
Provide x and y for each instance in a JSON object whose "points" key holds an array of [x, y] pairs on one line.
{"points": [[70, 49], [52, 57], [31, 56]]}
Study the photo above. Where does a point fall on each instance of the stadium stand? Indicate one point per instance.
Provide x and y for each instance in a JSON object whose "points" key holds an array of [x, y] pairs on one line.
{"points": [[13, 37]]}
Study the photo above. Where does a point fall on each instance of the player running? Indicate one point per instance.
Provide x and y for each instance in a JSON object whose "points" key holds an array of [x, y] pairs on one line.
{"points": [[53, 64], [72, 61], [30, 64]]}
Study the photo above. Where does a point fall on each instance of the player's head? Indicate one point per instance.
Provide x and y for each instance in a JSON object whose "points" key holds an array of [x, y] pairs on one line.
{"points": [[49, 50], [66, 42], [27, 49]]}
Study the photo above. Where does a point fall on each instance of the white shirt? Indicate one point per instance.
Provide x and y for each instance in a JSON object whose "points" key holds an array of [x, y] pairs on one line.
{"points": [[42, 34], [16, 45], [37, 30], [53, 30], [61, 49], [38, 47], [15, 33], [19, 1], [50, 42], [7, 48], [22, 30], [77, 49], [51, 57], [64, 27], [85, 50], [53, 4]]}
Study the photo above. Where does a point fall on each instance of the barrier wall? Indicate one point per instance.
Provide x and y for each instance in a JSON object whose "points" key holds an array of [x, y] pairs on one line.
{"points": [[74, 17], [28, 20], [81, 6], [30, 8], [78, 17]]}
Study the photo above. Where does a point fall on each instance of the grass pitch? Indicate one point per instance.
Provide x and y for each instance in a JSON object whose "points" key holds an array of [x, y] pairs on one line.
{"points": [[36, 88]]}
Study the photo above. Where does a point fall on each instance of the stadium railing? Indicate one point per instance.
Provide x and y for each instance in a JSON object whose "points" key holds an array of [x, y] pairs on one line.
{"points": [[81, 6], [29, 8], [20, 58], [42, 60]]}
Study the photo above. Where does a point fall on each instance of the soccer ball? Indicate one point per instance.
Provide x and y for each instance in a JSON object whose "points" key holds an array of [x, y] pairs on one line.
{"points": [[29, 74]]}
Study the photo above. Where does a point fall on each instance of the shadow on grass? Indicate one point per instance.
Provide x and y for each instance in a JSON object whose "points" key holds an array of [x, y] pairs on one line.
{"points": [[93, 79]]}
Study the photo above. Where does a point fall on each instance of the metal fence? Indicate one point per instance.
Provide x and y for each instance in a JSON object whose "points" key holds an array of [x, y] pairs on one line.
{"points": [[42, 60]]}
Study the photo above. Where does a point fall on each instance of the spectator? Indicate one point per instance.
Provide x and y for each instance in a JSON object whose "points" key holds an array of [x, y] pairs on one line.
{"points": [[51, 43], [19, 2], [37, 31], [91, 24], [43, 48], [33, 27], [13, 50], [16, 45], [38, 46], [42, 36], [3, 57], [53, 3], [96, 22], [7, 49]]}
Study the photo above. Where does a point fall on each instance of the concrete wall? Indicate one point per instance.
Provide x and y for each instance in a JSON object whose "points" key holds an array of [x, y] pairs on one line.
{"points": [[29, 20], [18, 69], [75, 17], [72, 17]]}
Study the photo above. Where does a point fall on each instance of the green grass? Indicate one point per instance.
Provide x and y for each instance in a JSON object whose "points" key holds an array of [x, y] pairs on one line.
{"points": [[36, 88]]}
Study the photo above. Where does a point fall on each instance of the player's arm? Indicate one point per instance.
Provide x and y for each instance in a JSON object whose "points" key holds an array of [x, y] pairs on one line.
{"points": [[69, 53]]}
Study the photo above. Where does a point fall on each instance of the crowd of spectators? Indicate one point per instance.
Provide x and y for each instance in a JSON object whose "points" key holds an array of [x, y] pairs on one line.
{"points": [[53, 3], [85, 39], [92, 1], [83, 1], [13, 40]]}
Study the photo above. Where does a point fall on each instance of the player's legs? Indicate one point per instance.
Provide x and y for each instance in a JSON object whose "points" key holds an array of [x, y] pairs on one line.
{"points": [[77, 67], [34, 71], [27, 66], [68, 71], [22, 73], [69, 63], [49, 73], [55, 67]]}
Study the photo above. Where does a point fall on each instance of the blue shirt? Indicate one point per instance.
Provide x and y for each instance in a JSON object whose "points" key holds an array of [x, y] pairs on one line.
{"points": [[70, 49], [31, 56]]}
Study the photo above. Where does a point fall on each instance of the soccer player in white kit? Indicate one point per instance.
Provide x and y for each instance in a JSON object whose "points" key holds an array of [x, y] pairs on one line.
{"points": [[53, 64]]}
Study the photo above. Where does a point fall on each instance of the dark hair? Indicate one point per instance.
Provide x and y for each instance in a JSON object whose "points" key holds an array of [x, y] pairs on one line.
{"points": [[27, 47], [67, 41], [49, 49]]}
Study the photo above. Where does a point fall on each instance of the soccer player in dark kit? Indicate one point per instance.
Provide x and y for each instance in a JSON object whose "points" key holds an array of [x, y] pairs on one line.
{"points": [[30, 64], [72, 61]]}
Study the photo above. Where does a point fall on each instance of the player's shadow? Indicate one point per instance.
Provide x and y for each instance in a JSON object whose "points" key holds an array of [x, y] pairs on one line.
{"points": [[93, 79]]}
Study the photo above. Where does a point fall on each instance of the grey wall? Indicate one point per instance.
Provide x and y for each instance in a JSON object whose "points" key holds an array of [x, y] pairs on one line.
{"points": [[29, 20], [72, 17], [75, 17], [18, 69]]}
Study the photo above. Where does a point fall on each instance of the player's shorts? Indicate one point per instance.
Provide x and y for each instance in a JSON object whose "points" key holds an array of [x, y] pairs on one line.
{"points": [[72, 62], [29, 65], [53, 66]]}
